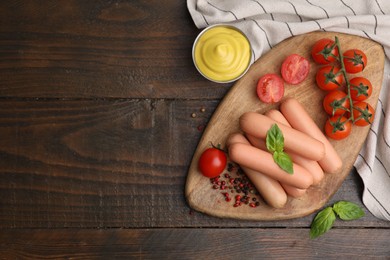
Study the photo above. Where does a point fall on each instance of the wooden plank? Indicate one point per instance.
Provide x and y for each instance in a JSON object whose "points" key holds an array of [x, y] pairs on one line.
{"points": [[110, 163], [132, 49], [91, 163], [250, 243]]}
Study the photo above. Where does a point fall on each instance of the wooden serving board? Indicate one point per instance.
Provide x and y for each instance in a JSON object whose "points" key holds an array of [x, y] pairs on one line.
{"points": [[242, 98]]}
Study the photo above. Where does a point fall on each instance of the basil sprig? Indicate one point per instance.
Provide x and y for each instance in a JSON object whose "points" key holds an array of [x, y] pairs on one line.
{"points": [[324, 220], [275, 144], [348, 210]]}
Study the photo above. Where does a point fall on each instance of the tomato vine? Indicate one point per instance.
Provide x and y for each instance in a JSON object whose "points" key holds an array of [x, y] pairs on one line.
{"points": [[347, 82], [331, 78]]}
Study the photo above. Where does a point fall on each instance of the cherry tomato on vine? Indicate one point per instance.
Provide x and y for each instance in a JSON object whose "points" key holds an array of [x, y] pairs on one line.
{"points": [[336, 102], [361, 88], [354, 61], [363, 113], [329, 78], [295, 69], [270, 88], [324, 51], [338, 127], [212, 162]]}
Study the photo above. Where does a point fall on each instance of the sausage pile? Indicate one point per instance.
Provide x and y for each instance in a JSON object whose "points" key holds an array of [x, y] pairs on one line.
{"points": [[311, 152]]}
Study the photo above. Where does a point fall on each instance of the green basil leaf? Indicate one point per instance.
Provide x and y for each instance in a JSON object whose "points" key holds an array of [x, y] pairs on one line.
{"points": [[284, 161], [274, 139], [322, 222], [347, 210]]}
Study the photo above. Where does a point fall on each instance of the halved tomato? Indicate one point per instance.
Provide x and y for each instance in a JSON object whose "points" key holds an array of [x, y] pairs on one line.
{"points": [[270, 88], [295, 69]]}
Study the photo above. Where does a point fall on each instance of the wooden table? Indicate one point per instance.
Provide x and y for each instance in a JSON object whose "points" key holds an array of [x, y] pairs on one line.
{"points": [[101, 110]]}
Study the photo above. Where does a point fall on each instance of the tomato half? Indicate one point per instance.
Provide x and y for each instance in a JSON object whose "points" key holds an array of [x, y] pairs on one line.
{"points": [[361, 88], [354, 61], [363, 113], [329, 78], [338, 127], [324, 51], [336, 102], [295, 69], [212, 162], [270, 88]]}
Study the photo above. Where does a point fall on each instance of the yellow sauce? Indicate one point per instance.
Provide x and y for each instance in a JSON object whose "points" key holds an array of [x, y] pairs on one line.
{"points": [[222, 53]]}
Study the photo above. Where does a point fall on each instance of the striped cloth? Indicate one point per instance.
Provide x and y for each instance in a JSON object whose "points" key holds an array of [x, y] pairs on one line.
{"points": [[268, 22]]}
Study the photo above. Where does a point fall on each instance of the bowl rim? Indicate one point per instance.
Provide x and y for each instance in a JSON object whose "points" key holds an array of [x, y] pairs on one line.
{"points": [[231, 27]]}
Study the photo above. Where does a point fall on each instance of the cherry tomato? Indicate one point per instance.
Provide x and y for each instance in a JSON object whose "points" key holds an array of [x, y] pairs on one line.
{"points": [[338, 127], [270, 88], [324, 51], [212, 162], [336, 103], [361, 88], [329, 78], [363, 113], [354, 61], [295, 69]]}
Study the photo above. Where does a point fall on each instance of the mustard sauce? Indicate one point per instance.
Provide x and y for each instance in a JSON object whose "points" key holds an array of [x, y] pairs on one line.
{"points": [[222, 53]]}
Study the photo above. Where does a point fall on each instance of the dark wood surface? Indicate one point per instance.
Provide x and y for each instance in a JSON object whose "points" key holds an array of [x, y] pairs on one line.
{"points": [[97, 134]]}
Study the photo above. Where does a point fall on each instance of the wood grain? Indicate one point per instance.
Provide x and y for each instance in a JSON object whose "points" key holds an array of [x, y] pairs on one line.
{"points": [[110, 163], [242, 98], [96, 137], [95, 163], [251, 243], [99, 49]]}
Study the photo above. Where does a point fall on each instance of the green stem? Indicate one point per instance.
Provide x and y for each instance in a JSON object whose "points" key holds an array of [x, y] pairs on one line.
{"points": [[341, 60]]}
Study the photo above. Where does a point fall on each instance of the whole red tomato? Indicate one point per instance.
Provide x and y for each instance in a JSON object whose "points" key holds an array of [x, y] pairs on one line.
{"points": [[212, 162], [329, 78], [354, 61], [363, 113], [338, 127], [336, 102], [361, 88], [324, 51]]}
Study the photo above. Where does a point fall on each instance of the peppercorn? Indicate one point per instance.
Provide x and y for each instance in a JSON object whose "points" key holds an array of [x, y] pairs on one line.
{"points": [[235, 181]]}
